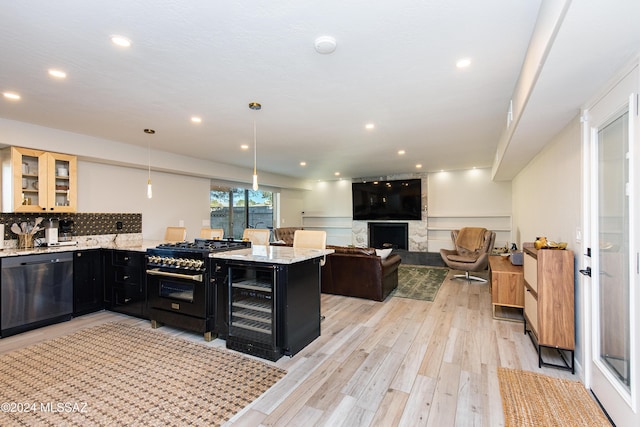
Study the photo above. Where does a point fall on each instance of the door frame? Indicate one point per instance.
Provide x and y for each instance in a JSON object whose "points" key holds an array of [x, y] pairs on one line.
{"points": [[623, 92]]}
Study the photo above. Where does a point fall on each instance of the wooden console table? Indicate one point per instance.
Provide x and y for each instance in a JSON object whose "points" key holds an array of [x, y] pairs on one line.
{"points": [[507, 287]]}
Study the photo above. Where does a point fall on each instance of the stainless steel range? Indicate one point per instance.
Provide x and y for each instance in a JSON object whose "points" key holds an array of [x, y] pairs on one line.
{"points": [[185, 289]]}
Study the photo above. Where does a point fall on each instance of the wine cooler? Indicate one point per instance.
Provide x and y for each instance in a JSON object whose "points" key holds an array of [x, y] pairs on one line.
{"points": [[271, 308]]}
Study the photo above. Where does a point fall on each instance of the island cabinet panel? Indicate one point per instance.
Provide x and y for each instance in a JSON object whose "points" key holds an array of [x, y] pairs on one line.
{"points": [[549, 301]]}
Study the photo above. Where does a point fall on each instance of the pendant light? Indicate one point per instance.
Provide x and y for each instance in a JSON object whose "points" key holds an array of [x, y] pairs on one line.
{"points": [[149, 189], [255, 106]]}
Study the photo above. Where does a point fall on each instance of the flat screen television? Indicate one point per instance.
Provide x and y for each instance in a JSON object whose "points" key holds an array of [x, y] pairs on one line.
{"points": [[375, 200]]}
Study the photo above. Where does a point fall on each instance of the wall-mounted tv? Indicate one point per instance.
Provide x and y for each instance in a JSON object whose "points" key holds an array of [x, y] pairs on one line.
{"points": [[376, 200]]}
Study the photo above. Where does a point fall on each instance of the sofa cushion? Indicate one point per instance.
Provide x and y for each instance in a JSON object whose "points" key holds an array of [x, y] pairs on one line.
{"points": [[352, 250], [383, 253]]}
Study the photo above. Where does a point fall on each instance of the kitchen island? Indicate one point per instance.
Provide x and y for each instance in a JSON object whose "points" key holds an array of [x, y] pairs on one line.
{"points": [[273, 298]]}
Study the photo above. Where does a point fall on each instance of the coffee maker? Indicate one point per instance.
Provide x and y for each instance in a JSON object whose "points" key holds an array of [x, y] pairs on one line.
{"points": [[51, 232], [66, 231]]}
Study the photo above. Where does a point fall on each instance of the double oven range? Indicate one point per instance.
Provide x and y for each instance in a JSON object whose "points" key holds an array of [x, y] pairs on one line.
{"points": [[187, 289]]}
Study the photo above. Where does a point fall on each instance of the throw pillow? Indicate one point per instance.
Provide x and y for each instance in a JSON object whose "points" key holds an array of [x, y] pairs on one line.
{"points": [[383, 253]]}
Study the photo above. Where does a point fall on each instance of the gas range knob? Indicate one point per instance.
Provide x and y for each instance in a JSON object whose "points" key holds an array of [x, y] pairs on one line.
{"points": [[198, 263], [169, 261]]}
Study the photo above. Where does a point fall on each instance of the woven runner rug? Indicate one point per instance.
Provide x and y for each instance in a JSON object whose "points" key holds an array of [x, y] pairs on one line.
{"points": [[117, 375], [531, 399], [419, 281]]}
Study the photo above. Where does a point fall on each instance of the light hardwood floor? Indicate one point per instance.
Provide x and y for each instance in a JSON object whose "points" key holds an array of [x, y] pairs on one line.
{"points": [[398, 362]]}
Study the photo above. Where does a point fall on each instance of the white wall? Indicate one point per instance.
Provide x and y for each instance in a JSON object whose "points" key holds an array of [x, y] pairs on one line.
{"points": [[291, 206], [547, 201], [328, 207], [109, 188], [467, 192], [546, 193], [467, 198]]}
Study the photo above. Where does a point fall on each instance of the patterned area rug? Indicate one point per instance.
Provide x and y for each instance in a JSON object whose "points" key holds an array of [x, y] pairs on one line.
{"points": [[419, 282], [531, 399], [115, 374]]}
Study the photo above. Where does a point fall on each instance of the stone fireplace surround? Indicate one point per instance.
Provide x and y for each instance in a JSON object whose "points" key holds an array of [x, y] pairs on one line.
{"points": [[417, 234]]}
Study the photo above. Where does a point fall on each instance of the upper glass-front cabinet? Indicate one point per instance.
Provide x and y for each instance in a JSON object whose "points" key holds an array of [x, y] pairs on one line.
{"points": [[38, 181]]}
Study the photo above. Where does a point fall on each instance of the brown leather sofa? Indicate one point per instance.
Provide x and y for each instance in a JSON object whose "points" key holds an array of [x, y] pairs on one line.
{"points": [[359, 272]]}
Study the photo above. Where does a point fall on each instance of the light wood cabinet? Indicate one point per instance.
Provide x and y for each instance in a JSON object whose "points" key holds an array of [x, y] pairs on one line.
{"points": [[507, 289], [549, 302], [38, 181]]}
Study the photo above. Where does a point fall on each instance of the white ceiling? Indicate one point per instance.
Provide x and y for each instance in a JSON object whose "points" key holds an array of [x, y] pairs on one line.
{"points": [[394, 66]]}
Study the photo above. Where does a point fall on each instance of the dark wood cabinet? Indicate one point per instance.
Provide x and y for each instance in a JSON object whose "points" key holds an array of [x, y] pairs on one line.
{"points": [[125, 283], [88, 283]]}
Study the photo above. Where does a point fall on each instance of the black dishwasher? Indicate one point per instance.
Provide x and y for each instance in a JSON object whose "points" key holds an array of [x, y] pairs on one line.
{"points": [[37, 290]]}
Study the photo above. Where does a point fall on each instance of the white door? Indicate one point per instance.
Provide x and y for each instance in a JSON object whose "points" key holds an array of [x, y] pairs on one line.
{"points": [[614, 260]]}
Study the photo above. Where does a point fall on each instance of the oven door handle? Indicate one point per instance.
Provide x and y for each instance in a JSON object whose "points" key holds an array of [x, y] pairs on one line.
{"points": [[194, 277]]}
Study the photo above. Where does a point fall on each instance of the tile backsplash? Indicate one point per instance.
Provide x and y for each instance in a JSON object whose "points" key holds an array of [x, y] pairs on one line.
{"points": [[84, 224]]}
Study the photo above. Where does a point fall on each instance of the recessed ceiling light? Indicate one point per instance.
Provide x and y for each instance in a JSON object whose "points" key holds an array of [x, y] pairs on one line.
{"points": [[196, 119], [463, 63], [370, 126], [120, 41], [11, 95], [337, 173], [401, 152], [149, 131], [59, 74], [303, 163], [244, 147], [418, 166]]}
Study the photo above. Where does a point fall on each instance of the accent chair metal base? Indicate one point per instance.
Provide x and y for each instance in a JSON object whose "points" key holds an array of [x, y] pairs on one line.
{"points": [[469, 277]]}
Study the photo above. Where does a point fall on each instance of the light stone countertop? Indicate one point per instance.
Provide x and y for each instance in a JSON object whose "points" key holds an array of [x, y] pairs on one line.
{"points": [[272, 254], [130, 242]]}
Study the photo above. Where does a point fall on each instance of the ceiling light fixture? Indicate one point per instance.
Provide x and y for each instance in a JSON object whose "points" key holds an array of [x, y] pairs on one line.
{"points": [[463, 63], [59, 74], [120, 41], [325, 44], [256, 107], [401, 152], [149, 190], [369, 126], [11, 95], [196, 119], [303, 163]]}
